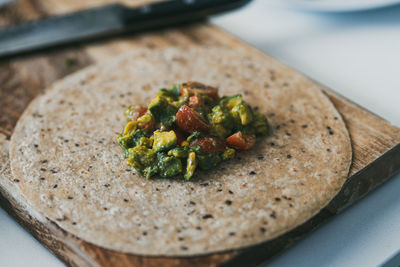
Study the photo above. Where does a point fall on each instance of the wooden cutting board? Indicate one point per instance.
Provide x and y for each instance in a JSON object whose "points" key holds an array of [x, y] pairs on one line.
{"points": [[376, 143]]}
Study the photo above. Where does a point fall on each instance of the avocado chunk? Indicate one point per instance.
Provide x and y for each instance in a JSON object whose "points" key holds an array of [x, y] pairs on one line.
{"points": [[238, 109], [179, 152], [221, 122], [162, 110], [168, 166], [228, 154], [230, 102], [208, 161], [260, 124], [243, 112], [190, 165], [140, 157], [164, 141], [132, 139]]}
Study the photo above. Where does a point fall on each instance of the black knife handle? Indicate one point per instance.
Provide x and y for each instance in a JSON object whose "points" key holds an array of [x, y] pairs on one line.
{"points": [[176, 11]]}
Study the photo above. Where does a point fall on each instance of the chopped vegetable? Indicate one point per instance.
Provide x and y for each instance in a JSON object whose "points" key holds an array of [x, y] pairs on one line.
{"points": [[188, 126], [162, 110], [190, 120], [240, 141], [164, 141], [190, 165], [209, 144], [134, 112], [168, 166], [191, 88]]}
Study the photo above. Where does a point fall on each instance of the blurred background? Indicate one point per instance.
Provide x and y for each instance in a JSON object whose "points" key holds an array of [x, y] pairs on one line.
{"points": [[352, 47]]}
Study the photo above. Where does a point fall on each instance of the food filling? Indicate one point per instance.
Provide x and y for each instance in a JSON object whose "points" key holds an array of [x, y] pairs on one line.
{"points": [[187, 127]]}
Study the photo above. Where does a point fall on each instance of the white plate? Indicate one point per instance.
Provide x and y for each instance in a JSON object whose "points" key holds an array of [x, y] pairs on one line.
{"points": [[337, 5]]}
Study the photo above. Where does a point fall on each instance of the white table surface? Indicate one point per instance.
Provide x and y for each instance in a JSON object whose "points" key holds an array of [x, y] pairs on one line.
{"points": [[356, 54]]}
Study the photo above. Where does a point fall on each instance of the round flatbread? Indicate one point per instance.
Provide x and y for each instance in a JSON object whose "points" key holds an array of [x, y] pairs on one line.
{"points": [[64, 153]]}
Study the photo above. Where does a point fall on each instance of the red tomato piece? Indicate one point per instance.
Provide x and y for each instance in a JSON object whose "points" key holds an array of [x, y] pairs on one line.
{"points": [[190, 121], [137, 111], [195, 87], [209, 144], [196, 101], [240, 141]]}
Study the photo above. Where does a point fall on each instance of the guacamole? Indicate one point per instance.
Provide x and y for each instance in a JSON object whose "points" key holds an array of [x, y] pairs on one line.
{"points": [[186, 127]]}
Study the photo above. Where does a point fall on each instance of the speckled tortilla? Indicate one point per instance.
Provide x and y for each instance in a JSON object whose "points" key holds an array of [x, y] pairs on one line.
{"points": [[5, 171], [70, 168]]}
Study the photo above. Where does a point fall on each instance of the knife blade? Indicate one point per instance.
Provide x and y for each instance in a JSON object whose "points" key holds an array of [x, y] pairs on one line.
{"points": [[106, 21]]}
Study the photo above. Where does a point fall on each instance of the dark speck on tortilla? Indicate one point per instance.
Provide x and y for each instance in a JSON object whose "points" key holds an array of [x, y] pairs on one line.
{"points": [[228, 202]]}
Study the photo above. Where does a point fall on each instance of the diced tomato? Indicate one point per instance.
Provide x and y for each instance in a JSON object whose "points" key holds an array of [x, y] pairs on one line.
{"points": [[196, 101], [135, 112], [209, 144], [190, 121], [179, 136], [240, 141], [195, 87]]}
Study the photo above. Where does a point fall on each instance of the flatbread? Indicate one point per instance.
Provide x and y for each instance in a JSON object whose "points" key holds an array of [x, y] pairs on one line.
{"points": [[5, 170], [70, 168]]}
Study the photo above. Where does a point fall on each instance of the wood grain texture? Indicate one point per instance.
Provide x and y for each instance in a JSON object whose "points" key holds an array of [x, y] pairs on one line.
{"points": [[21, 79]]}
